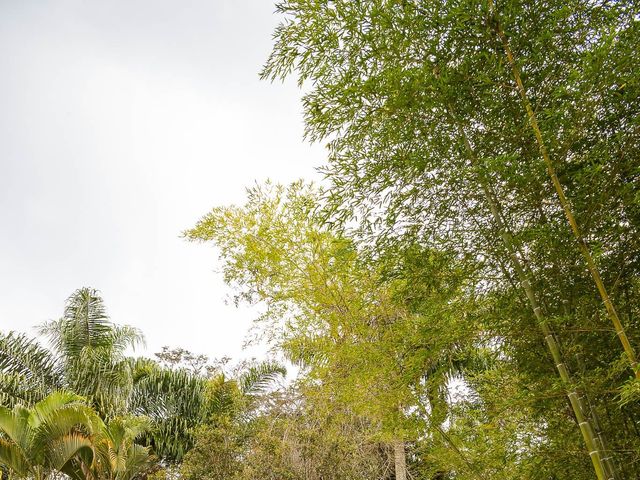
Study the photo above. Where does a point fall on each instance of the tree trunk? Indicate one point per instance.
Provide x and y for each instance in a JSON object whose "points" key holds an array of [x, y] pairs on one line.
{"points": [[400, 459]]}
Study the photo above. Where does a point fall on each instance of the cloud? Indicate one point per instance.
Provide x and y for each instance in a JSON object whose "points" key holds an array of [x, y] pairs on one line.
{"points": [[122, 123]]}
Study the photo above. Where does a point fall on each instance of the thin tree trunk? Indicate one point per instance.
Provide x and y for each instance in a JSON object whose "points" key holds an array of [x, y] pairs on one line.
{"points": [[576, 403], [566, 207], [400, 459]]}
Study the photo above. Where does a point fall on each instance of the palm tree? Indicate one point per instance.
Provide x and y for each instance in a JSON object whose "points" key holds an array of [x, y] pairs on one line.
{"points": [[119, 457], [55, 435], [177, 401], [91, 351], [236, 397], [88, 357], [28, 371], [172, 400]]}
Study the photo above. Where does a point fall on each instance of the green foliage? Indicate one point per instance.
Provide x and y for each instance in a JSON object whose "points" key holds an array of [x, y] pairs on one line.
{"points": [[289, 439], [358, 326], [91, 351], [88, 357], [50, 437], [61, 434], [300, 440], [217, 453], [229, 415], [433, 296], [173, 400], [27, 370], [430, 144], [120, 458]]}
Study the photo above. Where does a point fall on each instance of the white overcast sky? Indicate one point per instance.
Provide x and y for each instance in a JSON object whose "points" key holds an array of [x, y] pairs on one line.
{"points": [[121, 123]]}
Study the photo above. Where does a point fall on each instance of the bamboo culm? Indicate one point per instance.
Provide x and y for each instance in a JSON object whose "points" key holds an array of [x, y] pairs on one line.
{"points": [[602, 469], [564, 202]]}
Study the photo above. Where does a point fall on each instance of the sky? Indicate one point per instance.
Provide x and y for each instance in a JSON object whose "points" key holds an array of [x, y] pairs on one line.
{"points": [[122, 122]]}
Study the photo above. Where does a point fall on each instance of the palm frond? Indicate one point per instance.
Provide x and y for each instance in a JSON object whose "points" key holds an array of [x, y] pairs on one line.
{"points": [[16, 389], [12, 458], [75, 418], [173, 401], [24, 360], [125, 336], [121, 430], [138, 460], [54, 401], [259, 377], [14, 424], [160, 392], [84, 323], [223, 396], [63, 449]]}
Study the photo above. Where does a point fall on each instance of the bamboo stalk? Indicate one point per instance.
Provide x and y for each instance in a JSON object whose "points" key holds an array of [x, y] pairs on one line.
{"points": [[607, 457], [577, 405], [564, 202]]}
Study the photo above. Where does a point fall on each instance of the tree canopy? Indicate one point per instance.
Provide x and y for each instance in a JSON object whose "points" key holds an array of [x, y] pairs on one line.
{"points": [[460, 299]]}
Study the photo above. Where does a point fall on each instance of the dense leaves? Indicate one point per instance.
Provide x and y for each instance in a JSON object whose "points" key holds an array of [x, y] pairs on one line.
{"points": [[455, 126], [461, 300]]}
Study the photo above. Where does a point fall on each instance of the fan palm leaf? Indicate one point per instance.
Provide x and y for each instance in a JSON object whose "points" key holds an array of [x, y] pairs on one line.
{"points": [[54, 432], [14, 424], [64, 448], [120, 457], [12, 457]]}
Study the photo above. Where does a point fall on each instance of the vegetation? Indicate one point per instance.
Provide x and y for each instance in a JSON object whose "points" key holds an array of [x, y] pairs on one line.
{"points": [[85, 409], [460, 300]]}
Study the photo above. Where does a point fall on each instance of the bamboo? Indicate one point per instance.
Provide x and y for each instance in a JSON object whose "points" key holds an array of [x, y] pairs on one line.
{"points": [[607, 458], [566, 207], [574, 399], [455, 448]]}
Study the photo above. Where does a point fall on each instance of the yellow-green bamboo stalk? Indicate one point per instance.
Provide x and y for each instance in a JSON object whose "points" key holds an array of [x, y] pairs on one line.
{"points": [[566, 207], [607, 457], [588, 435]]}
